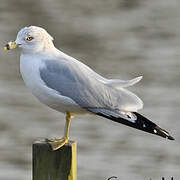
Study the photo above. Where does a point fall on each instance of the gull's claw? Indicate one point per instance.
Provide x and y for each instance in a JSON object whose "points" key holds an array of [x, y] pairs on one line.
{"points": [[57, 143]]}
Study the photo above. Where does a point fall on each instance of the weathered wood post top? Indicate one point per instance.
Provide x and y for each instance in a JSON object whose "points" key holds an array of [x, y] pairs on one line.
{"points": [[54, 165]]}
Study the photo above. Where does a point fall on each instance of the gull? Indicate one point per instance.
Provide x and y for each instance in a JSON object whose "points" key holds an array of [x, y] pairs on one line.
{"points": [[69, 86]]}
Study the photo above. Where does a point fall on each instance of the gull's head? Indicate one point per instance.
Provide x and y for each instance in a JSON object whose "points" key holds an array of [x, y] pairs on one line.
{"points": [[31, 39]]}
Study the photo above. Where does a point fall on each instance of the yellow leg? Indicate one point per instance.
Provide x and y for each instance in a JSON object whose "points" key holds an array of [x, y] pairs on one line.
{"points": [[58, 143]]}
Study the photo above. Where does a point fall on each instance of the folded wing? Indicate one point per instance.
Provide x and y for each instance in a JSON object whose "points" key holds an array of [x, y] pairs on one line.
{"points": [[78, 82], [116, 83]]}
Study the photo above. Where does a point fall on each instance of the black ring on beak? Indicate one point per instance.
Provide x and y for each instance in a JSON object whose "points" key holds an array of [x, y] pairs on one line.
{"points": [[7, 46]]}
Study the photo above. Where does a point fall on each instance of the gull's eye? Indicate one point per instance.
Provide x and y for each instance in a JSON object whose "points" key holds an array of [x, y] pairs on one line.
{"points": [[29, 38]]}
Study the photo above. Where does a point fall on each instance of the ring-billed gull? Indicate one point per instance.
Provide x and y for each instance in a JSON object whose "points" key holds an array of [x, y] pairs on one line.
{"points": [[69, 86]]}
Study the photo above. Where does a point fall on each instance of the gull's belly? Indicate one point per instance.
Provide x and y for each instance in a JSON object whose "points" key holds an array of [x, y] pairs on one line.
{"points": [[30, 73]]}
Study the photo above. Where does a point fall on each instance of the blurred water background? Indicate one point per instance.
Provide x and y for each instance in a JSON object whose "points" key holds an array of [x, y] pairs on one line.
{"points": [[118, 39]]}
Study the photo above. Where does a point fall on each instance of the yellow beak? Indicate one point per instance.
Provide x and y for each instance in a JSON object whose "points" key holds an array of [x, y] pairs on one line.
{"points": [[10, 45]]}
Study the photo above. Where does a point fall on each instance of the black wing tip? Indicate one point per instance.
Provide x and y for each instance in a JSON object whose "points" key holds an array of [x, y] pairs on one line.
{"points": [[171, 138], [142, 123], [163, 133]]}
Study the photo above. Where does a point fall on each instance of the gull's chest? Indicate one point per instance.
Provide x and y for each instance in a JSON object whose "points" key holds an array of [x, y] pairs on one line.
{"points": [[29, 69]]}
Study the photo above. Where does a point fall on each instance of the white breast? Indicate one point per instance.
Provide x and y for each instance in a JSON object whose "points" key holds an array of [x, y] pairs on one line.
{"points": [[29, 67]]}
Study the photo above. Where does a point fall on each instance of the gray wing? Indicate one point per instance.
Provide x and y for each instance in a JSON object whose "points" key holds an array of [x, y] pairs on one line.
{"points": [[78, 82]]}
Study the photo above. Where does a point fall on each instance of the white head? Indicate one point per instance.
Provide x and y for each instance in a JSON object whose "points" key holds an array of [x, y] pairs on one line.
{"points": [[32, 39]]}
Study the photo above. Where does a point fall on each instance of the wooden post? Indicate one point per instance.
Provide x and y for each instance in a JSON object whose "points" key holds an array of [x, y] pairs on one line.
{"points": [[54, 165]]}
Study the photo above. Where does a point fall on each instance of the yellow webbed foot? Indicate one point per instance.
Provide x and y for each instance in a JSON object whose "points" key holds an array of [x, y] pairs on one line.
{"points": [[57, 143]]}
